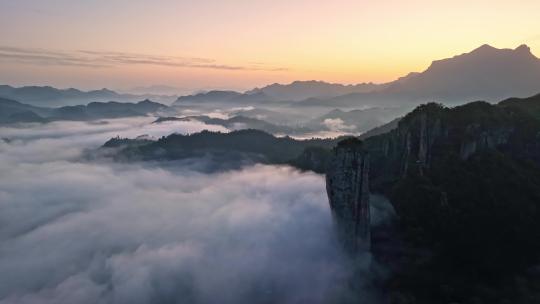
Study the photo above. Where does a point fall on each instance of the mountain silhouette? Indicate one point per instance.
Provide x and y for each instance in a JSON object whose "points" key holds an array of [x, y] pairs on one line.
{"points": [[47, 96], [486, 73], [12, 111], [300, 90]]}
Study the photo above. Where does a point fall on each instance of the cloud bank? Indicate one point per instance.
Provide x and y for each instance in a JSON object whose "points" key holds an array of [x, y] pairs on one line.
{"points": [[337, 124], [98, 232], [102, 59]]}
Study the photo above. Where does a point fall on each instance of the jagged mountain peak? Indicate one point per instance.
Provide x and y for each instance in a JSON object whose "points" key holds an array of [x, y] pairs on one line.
{"points": [[487, 50], [484, 48], [306, 89], [486, 73], [523, 47], [525, 50]]}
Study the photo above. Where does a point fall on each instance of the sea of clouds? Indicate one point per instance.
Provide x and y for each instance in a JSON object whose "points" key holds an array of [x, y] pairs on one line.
{"points": [[79, 231]]}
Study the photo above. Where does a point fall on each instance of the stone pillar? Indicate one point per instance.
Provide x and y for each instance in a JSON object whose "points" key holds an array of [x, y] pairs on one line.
{"points": [[347, 186]]}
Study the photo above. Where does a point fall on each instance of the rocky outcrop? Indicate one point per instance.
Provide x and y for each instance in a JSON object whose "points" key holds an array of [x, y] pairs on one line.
{"points": [[347, 185], [419, 134], [433, 132], [314, 159], [484, 140], [464, 182]]}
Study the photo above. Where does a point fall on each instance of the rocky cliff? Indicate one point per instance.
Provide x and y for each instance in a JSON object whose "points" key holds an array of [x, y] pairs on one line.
{"points": [[347, 185], [465, 183], [433, 133]]}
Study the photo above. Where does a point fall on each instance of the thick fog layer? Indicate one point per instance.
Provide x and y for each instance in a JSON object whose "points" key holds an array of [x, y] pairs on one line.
{"points": [[99, 232]]}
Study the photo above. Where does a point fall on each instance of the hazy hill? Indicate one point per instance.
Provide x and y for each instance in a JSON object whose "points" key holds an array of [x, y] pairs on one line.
{"points": [[208, 97], [301, 90], [47, 96], [13, 112], [295, 91], [530, 105]]}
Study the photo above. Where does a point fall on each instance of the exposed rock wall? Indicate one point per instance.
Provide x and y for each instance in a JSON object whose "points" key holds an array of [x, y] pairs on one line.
{"points": [[429, 136], [347, 185], [484, 139], [432, 132]]}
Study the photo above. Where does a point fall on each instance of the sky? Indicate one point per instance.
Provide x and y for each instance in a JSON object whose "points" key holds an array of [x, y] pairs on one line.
{"points": [[241, 44]]}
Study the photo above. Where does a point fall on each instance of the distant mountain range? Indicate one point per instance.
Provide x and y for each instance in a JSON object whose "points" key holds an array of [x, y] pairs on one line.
{"points": [[15, 112], [46, 96], [486, 73], [350, 122], [224, 97], [301, 90]]}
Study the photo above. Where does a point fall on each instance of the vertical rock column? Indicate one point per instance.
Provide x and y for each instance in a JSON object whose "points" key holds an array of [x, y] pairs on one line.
{"points": [[347, 185]]}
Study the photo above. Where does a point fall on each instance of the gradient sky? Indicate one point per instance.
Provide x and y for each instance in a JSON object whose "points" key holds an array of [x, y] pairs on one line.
{"points": [[240, 44]]}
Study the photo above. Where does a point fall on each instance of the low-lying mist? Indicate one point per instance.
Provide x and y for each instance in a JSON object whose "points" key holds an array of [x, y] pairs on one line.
{"points": [[75, 231]]}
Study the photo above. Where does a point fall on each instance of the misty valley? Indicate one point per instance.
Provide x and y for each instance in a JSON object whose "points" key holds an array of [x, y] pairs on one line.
{"points": [[425, 189]]}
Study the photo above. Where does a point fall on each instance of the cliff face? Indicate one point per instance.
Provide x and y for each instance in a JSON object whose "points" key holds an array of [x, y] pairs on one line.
{"points": [[347, 185], [426, 144], [432, 133], [454, 174], [465, 184]]}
